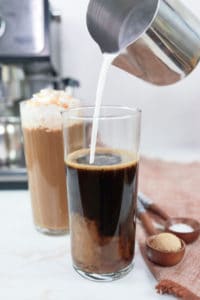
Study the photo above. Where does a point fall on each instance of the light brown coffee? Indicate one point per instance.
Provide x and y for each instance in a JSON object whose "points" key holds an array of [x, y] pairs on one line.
{"points": [[47, 179], [41, 118]]}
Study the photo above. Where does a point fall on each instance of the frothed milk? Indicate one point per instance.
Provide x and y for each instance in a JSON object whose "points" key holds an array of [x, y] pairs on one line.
{"points": [[43, 140]]}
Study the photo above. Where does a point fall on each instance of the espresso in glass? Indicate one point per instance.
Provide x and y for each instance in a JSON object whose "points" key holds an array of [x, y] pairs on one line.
{"points": [[102, 199], [102, 190]]}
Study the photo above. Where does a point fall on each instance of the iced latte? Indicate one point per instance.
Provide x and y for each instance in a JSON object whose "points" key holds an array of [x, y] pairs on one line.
{"points": [[43, 140]]}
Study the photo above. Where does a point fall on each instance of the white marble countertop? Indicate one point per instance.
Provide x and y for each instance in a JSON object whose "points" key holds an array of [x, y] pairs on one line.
{"points": [[37, 267]]}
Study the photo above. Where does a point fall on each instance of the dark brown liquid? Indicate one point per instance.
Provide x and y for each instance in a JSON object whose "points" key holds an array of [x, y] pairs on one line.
{"points": [[102, 199]]}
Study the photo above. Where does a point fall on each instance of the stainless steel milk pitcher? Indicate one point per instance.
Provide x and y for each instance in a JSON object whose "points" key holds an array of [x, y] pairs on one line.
{"points": [[156, 40]]}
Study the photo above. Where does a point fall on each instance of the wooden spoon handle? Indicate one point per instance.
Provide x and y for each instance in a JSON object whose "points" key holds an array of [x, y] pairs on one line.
{"points": [[147, 223], [158, 211], [149, 205]]}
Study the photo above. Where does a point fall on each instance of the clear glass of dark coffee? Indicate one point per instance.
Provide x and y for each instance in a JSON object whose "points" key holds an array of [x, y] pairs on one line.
{"points": [[102, 195]]}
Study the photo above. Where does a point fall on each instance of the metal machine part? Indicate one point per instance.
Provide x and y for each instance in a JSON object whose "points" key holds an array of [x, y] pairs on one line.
{"points": [[29, 47], [11, 143], [29, 62], [11, 83], [13, 178], [27, 26], [155, 40]]}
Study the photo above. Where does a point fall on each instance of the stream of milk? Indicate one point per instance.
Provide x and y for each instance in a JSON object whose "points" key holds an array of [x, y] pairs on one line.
{"points": [[107, 61]]}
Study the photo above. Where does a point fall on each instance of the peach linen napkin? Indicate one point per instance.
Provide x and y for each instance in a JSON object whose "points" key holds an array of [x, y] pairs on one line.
{"points": [[176, 188]]}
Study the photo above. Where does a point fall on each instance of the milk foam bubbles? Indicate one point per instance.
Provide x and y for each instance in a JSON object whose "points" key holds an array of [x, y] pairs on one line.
{"points": [[44, 109]]}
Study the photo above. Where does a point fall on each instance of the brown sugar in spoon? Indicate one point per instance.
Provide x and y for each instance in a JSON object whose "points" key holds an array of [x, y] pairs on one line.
{"points": [[164, 249]]}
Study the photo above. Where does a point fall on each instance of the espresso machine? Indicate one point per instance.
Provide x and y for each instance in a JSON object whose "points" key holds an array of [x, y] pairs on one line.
{"points": [[29, 62]]}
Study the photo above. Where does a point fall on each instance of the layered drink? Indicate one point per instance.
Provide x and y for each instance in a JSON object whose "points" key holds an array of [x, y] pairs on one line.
{"points": [[102, 200], [43, 141]]}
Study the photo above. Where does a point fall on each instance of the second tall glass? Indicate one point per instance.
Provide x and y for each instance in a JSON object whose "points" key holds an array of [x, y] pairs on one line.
{"points": [[43, 141]]}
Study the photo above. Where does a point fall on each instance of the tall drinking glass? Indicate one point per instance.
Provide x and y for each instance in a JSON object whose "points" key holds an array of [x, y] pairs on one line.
{"points": [[102, 195], [44, 151]]}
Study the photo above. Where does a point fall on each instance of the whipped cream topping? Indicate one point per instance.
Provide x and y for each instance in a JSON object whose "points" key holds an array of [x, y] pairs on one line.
{"points": [[44, 109], [53, 97]]}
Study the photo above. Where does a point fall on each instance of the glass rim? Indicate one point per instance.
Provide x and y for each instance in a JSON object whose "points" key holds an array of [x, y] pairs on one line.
{"points": [[128, 112]]}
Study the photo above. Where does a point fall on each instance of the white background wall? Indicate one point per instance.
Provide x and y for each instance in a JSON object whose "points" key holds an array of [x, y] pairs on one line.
{"points": [[171, 115]]}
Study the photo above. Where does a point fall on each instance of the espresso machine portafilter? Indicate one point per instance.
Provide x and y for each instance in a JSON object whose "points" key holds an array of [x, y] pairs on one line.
{"points": [[155, 40]]}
